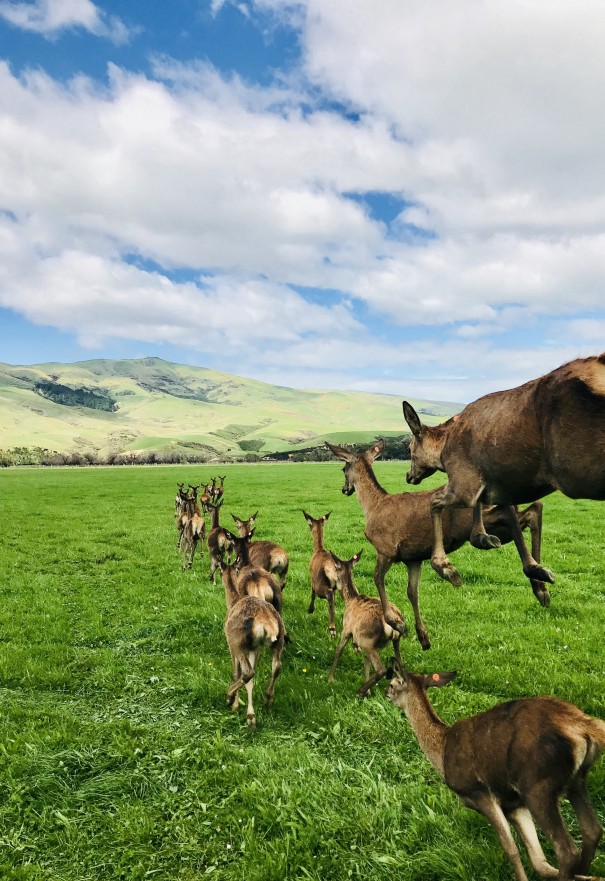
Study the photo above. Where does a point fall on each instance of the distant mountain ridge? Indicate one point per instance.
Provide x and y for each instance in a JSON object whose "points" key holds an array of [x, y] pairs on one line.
{"points": [[148, 404]]}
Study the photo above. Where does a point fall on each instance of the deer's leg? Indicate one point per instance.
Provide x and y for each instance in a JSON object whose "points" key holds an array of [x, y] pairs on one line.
{"points": [[383, 564], [531, 568], [531, 518], [275, 671], [374, 658], [339, 649], [193, 550], [526, 828], [446, 497], [479, 537], [590, 827], [249, 683], [311, 608], [331, 618], [544, 807], [414, 570], [490, 809]]}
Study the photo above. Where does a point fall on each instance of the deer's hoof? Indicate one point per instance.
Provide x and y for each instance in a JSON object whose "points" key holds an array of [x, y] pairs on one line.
{"points": [[398, 625], [364, 692], [268, 700], [251, 720], [311, 609], [485, 542], [332, 632], [543, 597], [539, 573], [448, 572], [423, 639]]}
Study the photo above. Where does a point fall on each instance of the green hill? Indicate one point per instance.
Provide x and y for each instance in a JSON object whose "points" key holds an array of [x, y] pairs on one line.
{"points": [[105, 406]]}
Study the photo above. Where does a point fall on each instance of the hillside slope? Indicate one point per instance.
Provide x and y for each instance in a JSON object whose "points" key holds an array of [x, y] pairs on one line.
{"points": [[152, 404]]}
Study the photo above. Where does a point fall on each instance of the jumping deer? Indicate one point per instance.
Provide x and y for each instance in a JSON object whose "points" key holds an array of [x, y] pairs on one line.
{"points": [[513, 764], [194, 528], [220, 541], [399, 527], [250, 624], [266, 554], [365, 624], [322, 569], [512, 447]]}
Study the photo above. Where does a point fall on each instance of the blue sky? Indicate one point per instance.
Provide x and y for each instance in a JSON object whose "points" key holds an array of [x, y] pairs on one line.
{"points": [[381, 196]]}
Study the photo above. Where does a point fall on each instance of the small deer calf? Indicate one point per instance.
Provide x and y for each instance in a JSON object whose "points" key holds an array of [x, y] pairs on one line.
{"points": [[266, 554], [365, 624], [220, 540], [322, 569], [513, 763], [250, 625]]}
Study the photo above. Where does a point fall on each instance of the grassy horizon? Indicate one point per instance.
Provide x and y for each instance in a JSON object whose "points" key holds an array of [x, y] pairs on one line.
{"points": [[118, 756]]}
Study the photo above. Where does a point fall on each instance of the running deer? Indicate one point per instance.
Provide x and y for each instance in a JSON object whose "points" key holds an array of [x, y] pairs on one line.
{"points": [[399, 527], [179, 499], [512, 447], [513, 764], [364, 623], [250, 625], [219, 490], [194, 528], [266, 554], [322, 569], [220, 541], [255, 580]]}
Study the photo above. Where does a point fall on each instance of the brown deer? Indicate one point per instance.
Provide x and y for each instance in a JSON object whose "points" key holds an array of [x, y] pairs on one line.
{"points": [[365, 624], [515, 446], [513, 763], [219, 490], [194, 528], [266, 554], [220, 541], [255, 580], [178, 499], [322, 569], [399, 527], [250, 625]]}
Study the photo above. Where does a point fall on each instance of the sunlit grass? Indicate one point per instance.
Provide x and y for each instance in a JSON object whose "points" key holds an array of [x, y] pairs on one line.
{"points": [[118, 755]]}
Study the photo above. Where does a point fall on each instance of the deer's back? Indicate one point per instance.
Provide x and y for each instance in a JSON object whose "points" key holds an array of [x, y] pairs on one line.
{"points": [[268, 555], [511, 747], [400, 527], [323, 572], [255, 581], [252, 622], [364, 619]]}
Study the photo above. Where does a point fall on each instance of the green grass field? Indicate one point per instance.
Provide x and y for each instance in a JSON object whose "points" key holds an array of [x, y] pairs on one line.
{"points": [[118, 756]]}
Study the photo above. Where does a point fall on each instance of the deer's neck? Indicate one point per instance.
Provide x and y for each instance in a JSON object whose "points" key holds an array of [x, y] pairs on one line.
{"points": [[368, 490], [318, 537], [428, 728], [214, 515], [231, 594], [348, 589]]}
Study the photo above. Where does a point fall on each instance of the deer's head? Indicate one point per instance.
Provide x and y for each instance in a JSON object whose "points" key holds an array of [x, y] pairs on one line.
{"points": [[425, 446], [353, 461], [405, 685], [344, 569]]}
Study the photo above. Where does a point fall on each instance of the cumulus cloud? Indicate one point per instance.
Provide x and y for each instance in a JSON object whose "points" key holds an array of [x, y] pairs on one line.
{"points": [[482, 119], [51, 17]]}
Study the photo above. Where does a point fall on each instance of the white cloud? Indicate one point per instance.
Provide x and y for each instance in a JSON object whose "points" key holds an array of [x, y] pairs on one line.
{"points": [[51, 17], [483, 117]]}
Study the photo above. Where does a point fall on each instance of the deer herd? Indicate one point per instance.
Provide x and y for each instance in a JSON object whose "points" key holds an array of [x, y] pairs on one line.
{"points": [[515, 762]]}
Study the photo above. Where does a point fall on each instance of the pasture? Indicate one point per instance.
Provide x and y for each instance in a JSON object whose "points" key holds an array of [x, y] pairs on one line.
{"points": [[118, 756]]}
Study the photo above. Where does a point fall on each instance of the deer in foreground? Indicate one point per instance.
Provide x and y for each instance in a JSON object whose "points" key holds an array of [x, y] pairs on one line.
{"points": [[513, 764], [194, 528], [250, 625], [266, 554], [512, 447], [220, 540], [364, 623], [322, 569], [399, 527]]}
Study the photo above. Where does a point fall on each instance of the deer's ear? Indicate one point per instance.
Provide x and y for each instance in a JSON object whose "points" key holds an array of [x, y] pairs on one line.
{"points": [[237, 520], [438, 680], [412, 419], [375, 451], [340, 452], [325, 516], [356, 557], [309, 519]]}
